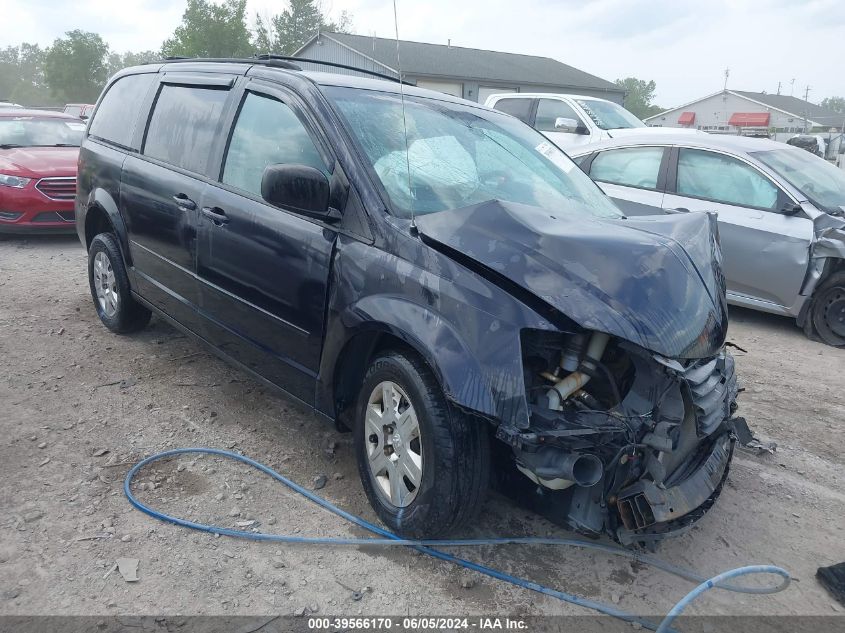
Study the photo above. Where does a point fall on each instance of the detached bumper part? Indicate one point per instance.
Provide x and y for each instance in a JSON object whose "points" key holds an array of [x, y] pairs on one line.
{"points": [[645, 504]]}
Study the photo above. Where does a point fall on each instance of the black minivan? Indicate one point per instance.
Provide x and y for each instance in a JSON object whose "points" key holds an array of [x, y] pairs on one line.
{"points": [[431, 274]]}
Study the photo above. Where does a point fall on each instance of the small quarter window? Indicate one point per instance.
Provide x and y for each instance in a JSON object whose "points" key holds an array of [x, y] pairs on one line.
{"points": [[118, 113]]}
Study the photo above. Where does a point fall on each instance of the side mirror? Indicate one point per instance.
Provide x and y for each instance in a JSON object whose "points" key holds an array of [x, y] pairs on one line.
{"points": [[299, 188], [790, 209], [565, 124]]}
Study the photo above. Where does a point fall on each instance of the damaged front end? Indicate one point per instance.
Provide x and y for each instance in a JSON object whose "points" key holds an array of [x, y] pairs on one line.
{"points": [[622, 441], [627, 393]]}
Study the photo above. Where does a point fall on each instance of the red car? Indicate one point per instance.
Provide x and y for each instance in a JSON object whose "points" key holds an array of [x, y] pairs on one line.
{"points": [[38, 155]]}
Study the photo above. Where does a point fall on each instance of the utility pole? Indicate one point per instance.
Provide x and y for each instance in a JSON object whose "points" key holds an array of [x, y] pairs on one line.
{"points": [[806, 100], [727, 74], [792, 87], [778, 87]]}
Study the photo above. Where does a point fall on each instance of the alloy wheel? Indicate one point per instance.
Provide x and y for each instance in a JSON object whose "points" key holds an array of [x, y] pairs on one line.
{"points": [[394, 448], [105, 284]]}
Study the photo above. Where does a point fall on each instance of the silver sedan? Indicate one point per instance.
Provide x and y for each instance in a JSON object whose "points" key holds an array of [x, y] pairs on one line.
{"points": [[781, 213]]}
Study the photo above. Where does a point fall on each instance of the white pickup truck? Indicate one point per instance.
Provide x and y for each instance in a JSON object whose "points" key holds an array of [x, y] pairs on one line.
{"points": [[571, 120]]}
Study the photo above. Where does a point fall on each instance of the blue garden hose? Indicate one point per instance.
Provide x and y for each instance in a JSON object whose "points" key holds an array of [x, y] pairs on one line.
{"points": [[427, 546]]}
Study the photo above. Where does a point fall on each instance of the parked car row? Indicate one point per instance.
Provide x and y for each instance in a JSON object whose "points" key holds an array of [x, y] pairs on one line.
{"points": [[780, 211], [38, 161]]}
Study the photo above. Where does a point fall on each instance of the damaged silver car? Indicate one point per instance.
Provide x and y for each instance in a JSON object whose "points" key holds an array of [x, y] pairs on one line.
{"points": [[780, 212]]}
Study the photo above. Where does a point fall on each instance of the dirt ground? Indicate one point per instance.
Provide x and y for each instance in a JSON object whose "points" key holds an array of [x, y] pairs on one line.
{"points": [[79, 406]]}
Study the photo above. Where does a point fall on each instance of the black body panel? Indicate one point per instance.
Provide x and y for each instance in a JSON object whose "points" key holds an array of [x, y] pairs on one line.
{"points": [[652, 281]]}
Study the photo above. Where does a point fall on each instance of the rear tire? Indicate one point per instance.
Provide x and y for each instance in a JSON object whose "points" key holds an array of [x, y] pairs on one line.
{"points": [[418, 428], [826, 315], [109, 285]]}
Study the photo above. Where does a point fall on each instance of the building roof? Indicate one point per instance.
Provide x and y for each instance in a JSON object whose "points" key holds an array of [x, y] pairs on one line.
{"points": [[785, 103], [438, 60]]}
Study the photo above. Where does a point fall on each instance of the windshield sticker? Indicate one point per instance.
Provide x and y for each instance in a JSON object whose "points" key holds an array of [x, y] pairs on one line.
{"points": [[556, 156], [73, 125]]}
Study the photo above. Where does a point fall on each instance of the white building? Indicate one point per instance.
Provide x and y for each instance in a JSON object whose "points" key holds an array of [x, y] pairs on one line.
{"points": [[751, 114]]}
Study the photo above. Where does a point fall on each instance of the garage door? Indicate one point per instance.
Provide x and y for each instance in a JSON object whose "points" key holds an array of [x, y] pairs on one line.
{"points": [[486, 91], [450, 88]]}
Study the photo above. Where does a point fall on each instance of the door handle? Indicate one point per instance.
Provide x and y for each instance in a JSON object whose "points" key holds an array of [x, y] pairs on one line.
{"points": [[216, 215], [184, 202], [677, 210]]}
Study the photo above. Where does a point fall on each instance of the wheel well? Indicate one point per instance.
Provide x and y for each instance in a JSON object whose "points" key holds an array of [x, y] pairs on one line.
{"points": [[353, 361], [96, 221]]}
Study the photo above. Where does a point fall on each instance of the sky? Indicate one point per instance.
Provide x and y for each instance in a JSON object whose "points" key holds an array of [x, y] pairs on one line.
{"points": [[683, 45]]}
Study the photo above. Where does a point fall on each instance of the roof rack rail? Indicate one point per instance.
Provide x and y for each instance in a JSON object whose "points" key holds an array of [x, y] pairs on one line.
{"points": [[283, 61], [321, 62], [234, 60]]}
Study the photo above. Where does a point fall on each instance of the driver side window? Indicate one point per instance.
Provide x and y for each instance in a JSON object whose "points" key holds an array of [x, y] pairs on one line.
{"points": [[267, 132], [548, 110], [721, 178]]}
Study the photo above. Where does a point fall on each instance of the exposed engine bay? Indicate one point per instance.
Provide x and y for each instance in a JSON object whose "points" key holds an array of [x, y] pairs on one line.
{"points": [[622, 441]]}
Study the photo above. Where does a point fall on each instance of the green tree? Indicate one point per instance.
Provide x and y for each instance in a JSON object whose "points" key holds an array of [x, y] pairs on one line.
{"points": [[211, 30], [75, 66], [639, 95], [287, 31], [837, 104], [118, 62], [342, 25], [22, 75], [295, 25]]}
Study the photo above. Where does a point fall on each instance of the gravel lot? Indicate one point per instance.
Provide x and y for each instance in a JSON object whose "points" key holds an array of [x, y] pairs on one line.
{"points": [[79, 405]]}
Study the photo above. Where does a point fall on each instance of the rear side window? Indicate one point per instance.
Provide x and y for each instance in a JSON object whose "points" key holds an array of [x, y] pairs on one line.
{"points": [[117, 115], [183, 126], [267, 132], [520, 108], [704, 174], [633, 166], [549, 110]]}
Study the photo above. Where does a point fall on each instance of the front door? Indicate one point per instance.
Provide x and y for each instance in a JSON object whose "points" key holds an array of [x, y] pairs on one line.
{"points": [[263, 271], [765, 253]]}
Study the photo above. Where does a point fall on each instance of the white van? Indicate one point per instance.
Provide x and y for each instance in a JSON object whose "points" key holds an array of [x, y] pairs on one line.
{"points": [[570, 120]]}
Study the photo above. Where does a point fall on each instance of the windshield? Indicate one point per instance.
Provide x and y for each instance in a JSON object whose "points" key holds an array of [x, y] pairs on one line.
{"points": [[609, 116], [821, 182], [461, 156], [40, 132]]}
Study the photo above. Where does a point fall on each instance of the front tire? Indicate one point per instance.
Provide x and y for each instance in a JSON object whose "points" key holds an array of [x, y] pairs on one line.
{"points": [[827, 311], [424, 465], [109, 285]]}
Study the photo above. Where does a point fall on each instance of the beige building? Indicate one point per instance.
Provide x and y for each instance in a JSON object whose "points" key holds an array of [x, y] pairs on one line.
{"points": [[750, 114]]}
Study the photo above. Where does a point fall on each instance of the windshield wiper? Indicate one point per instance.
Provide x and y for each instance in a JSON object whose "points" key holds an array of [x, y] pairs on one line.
{"points": [[9, 145]]}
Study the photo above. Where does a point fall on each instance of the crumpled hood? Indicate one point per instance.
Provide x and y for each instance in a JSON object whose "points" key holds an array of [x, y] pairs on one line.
{"points": [[33, 162], [655, 281]]}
